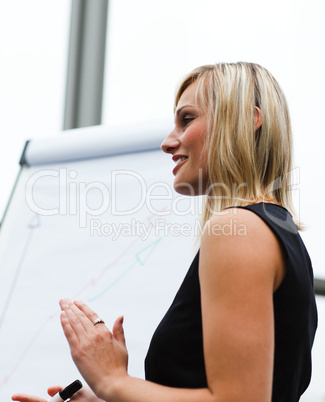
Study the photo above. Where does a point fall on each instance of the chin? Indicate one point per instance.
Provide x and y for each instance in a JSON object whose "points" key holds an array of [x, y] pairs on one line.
{"points": [[186, 189]]}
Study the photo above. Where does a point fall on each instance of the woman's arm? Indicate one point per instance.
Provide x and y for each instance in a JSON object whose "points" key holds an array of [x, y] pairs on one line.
{"points": [[238, 274], [241, 264]]}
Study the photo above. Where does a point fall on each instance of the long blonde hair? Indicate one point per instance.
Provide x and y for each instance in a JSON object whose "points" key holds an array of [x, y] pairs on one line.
{"points": [[245, 166]]}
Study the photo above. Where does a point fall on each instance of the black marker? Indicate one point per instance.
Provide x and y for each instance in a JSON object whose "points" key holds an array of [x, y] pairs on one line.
{"points": [[66, 392]]}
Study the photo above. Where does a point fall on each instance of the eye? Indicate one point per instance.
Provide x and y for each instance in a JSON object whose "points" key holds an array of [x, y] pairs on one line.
{"points": [[186, 119]]}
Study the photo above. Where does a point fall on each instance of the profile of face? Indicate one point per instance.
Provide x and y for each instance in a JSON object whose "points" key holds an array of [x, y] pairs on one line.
{"points": [[186, 144]]}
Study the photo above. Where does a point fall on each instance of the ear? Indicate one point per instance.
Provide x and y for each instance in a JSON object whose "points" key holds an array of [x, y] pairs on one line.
{"points": [[258, 117]]}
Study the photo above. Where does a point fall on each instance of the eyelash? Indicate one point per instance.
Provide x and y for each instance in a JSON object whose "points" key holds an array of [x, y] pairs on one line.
{"points": [[187, 120]]}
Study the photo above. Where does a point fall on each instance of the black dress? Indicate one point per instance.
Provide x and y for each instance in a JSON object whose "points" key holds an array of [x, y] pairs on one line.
{"points": [[175, 356]]}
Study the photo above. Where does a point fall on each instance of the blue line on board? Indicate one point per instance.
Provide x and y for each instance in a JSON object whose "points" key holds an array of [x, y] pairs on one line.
{"points": [[142, 262]]}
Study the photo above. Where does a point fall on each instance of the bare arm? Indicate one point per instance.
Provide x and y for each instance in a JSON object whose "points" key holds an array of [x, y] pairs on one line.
{"points": [[238, 276]]}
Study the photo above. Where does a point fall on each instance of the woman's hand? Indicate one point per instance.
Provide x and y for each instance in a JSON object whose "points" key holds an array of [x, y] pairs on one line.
{"points": [[100, 355], [83, 395], [32, 398]]}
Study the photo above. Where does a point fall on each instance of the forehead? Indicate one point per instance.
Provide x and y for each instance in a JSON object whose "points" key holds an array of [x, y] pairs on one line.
{"points": [[188, 97]]}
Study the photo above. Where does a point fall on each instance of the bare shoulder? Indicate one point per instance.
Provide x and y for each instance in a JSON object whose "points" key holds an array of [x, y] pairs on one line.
{"points": [[240, 239], [236, 222], [239, 266]]}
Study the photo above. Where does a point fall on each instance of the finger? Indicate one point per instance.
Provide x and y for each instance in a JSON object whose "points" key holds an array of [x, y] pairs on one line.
{"points": [[79, 314], [27, 398], [118, 330], [54, 390], [92, 316], [68, 330], [77, 319]]}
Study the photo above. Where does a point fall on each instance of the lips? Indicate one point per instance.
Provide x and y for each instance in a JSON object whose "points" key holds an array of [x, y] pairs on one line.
{"points": [[179, 160]]}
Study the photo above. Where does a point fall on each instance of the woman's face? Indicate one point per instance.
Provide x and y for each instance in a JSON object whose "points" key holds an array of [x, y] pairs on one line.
{"points": [[186, 144]]}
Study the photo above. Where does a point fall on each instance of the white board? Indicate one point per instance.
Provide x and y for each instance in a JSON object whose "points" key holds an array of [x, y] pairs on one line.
{"points": [[108, 230]]}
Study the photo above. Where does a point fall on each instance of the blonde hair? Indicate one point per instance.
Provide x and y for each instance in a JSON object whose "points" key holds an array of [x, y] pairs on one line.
{"points": [[245, 166]]}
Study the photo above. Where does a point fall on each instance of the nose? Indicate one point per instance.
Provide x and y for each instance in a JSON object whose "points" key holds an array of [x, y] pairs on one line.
{"points": [[170, 143]]}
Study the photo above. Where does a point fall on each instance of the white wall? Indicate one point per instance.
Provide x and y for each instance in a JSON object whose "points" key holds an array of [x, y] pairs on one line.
{"points": [[33, 55]]}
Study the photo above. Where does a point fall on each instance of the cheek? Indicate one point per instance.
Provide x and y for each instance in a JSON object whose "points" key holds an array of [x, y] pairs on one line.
{"points": [[192, 137], [196, 137]]}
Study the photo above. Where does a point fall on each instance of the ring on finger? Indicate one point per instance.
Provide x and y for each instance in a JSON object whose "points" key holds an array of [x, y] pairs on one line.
{"points": [[98, 321]]}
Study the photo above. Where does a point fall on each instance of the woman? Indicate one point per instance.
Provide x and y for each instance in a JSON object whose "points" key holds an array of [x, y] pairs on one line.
{"points": [[242, 325]]}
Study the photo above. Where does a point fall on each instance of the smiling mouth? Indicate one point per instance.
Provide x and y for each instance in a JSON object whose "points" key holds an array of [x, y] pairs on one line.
{"points": [[179, 162], [181, 159]]}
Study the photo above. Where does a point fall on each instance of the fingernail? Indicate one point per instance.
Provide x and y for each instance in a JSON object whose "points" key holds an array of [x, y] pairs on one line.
{"points": [[64, 302]]}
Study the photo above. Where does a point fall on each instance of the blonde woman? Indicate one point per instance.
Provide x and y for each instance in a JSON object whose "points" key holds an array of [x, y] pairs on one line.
{"points": [[242, 324]]}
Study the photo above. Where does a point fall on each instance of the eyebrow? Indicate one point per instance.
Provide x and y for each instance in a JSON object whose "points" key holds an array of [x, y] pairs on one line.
{"points": [[178, 111]]}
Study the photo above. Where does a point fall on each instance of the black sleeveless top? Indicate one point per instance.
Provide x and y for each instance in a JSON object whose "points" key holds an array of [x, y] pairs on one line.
{"points": [[175, 356]]}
